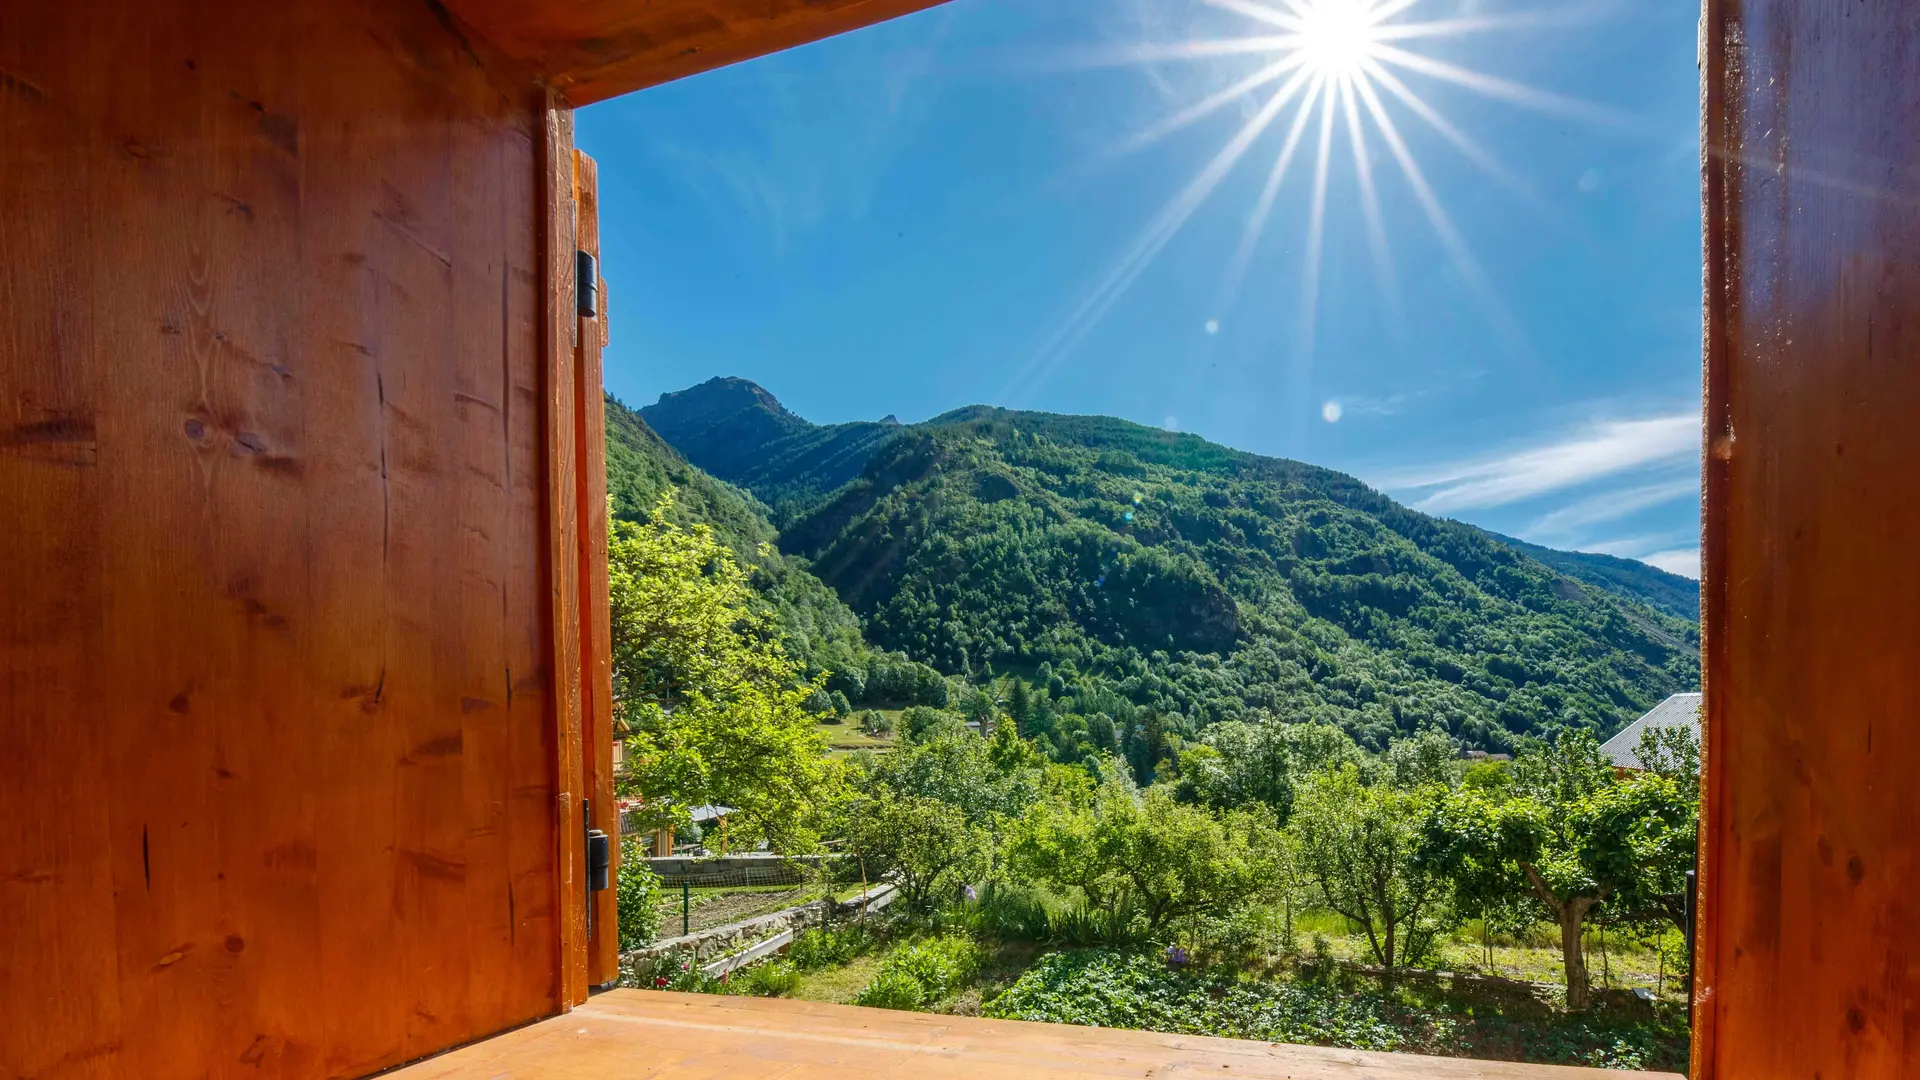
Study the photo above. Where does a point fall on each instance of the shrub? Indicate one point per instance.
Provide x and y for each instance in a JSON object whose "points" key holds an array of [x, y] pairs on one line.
{"points": [[924, 724], [941, 964], [1235, 939], [892, 990], [1109, 988], [875, 722], [826, 947], [1009, 913], [682, 974], [775, 978], [1165, 860], [918, 975], [1081, 923], [637, 899]]}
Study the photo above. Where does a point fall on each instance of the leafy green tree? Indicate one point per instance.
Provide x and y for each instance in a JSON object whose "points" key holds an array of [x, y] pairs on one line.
{"points": [[920, 723], [928, 846], [1150, 855], [1011, 754], [1020, 705], [717, 711], [1360, 844], [1672, 752], [637, 901], [1493, 778], [1148, 747], [1659, 892], [1238, 764], [975, 704], [1423, 759], [979, 777], [1572, 836], [1564, 771], [1315, 747]]}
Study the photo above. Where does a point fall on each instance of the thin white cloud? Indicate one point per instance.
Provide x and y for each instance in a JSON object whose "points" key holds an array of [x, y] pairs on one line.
{"points": [[1682, 561], [1610, 506], [1602, 450], [1669, 551], [1632, 547]]}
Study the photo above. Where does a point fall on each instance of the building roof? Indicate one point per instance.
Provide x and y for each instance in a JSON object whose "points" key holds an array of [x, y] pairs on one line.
{"points": [[1680, 710]]}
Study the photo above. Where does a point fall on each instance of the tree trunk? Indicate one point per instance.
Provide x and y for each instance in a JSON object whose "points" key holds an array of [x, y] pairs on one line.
{"points": [[1606, 963], [1570, 916], [1389, 957]]}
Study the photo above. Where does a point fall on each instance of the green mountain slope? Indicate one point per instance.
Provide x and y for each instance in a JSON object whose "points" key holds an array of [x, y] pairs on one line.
{"points": [[738, 431], [817, 628], [815, 625], [1635, 580], [1148, 580], [641, 467]]}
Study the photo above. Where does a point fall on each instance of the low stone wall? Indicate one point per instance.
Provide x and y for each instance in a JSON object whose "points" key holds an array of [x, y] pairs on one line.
{"points": [[714, 947]]}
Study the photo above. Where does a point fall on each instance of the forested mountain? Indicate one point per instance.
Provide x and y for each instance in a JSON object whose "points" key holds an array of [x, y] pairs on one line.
{"points": [[738, 431], [1635, 580], [641, 467], [815, 625], [1144, 584]]}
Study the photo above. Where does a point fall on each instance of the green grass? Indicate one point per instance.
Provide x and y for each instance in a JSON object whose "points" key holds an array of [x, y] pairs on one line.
{"points": [[838, 985], [1615, 962], [852, 738]]}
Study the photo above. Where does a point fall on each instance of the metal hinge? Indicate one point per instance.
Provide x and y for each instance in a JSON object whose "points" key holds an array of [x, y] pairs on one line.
{"points": [[586, 286], [599, 860]]}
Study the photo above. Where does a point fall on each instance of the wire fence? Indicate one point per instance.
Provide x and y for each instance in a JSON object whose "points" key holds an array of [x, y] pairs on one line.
{"points": [[759, 873]]}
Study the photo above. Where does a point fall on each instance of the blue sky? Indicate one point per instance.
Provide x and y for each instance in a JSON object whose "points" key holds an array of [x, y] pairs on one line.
{"points": [[998, 201]]}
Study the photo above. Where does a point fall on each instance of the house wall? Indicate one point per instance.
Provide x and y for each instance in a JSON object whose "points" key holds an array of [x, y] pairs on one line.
{"points": [[277, 713], [1810, 924]]}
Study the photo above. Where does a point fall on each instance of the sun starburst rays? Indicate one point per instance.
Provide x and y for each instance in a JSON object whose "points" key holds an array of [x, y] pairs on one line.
{"points": [[1339, 63]]}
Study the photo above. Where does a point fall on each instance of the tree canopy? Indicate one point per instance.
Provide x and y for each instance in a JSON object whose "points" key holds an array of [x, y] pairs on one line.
{"points": [[1572, 835], [716, 711]]}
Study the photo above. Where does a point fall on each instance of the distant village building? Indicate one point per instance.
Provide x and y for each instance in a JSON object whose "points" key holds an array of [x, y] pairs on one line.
{"points": [[1680, 710]]}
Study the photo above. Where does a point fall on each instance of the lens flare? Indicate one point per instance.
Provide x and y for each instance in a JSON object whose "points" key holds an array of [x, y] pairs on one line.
{"points": [[1318, 71]]}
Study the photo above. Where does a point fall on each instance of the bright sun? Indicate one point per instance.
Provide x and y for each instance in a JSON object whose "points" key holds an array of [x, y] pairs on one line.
{"points": [[1323, 72], [1336, 37]]}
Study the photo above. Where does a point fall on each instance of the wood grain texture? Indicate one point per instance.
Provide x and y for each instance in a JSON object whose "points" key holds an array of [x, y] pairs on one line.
{"points": [[560, 345], [1809, 954], [276, 733], [596, 633], [592, 50], [664, 1036]]}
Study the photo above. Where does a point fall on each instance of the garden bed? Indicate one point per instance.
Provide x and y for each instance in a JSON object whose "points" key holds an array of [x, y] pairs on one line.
{"points": [[1320, 998], [1417, 1012]]}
